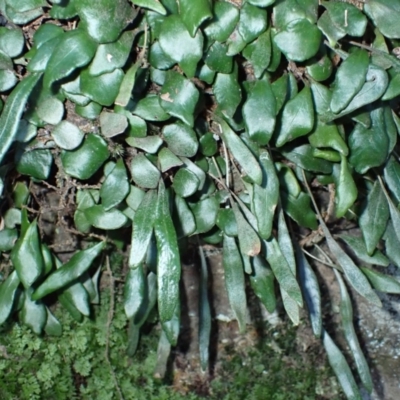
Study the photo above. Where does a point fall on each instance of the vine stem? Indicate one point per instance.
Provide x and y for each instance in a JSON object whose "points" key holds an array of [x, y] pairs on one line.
{"points": [[108, 326]]}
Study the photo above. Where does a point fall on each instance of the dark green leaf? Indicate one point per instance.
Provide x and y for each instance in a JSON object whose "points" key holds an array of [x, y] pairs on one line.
{"points": [[179, 97], [234, 281], [83, 162], [105, 19], [27, 256], [154, 5], [217, 60], [185, 182], [135, 291], [297, 117], [76, 49], [35, 163], [385, 14], [259, 112], [69, 272], [226, 221], [168, 258], [299, 40], [8, 290], [13, 109], [53, 326], [185, 222], [205, 214], [144, 173], [194, 13], [101, 218], [374, 217], [320, 69], [285, 12], [177, 44], [299, 209], [149, 108], [259, 52], [33, 313], [242, 154], [327, 135], [350, 77]]}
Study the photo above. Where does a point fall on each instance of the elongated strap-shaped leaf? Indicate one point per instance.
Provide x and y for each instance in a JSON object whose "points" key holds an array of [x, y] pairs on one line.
{"points": [[13, 109], [341, 368], [163, 352], [135, 291], [392, 244], [69, 272], [142, 228], [285, 242], [262, 281], [241, 153], [172, 327], [204, 313], [394, 212], [374, 218], [282, 270], [356, 278], [265, 196], [8, 290], [249, 241], [346, 312], [168, 258], [382, 282], [291, 307], [234, 280], [311, 292], [27, 256]]}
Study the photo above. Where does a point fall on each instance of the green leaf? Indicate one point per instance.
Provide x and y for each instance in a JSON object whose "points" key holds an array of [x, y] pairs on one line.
{"points": [[67, 135], [329, 29], [357, 245], [369, 147], [7, 80], [208, 145], [35, 163], [249, 242], [225, 18], [252, 22], [204, 313], [311, 291], [150, 144], [234, 281], [101, 218], [51, 110], [340, 367], [27, 256], [374, 217], [63, 11], [392, 177], [144, 173], [168, 159], [303, 157], [183, 218], [194, 13], [13, 109], [154, 5], [346, 189], [177, 44], [226, 221], [374, 87], [285, 242], [227, 92], [346, 312], [12, 41], [217, 60], [346, 17], [143, 223], [8, 237], [320, 69], [102, 89], [8, 291], [205, 214], [385, 14], [327, 135], [285, 12], [181, 139], [262, 281], [241, 153], [105, 19], [282, 270], [75, 49], [84, 161], [179, 97], [135, 291], [259, 53], [112, 124], [116, 186], [259, 112], [382, 282], [53, 326], [33, 313], [299, 40], [261, 3], [350, 77], [78, 297], [297, 117], [110, 56], [149, 108], [69, 272], [185, 182], [265, 196], [299, 209], [26, 5], [392, 244], [168, 258]]}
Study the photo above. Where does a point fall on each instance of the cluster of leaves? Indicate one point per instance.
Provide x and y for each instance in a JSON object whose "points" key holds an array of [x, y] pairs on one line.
{"points": [[213, 131]]}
